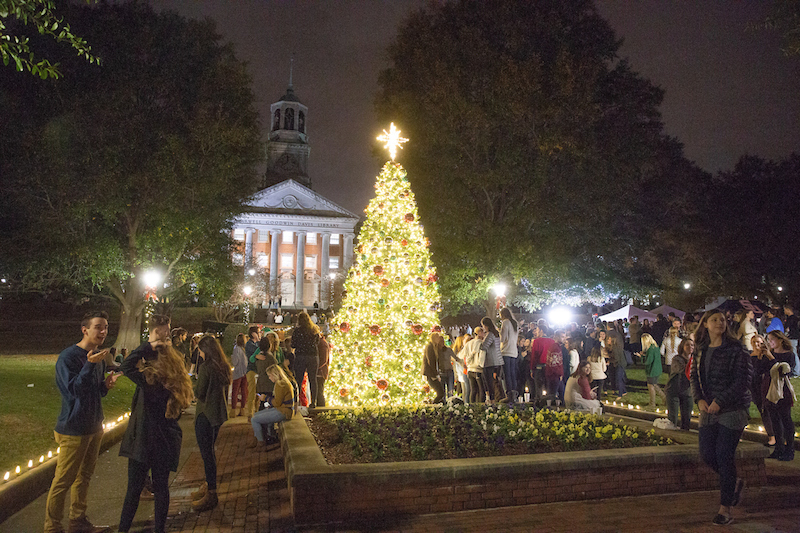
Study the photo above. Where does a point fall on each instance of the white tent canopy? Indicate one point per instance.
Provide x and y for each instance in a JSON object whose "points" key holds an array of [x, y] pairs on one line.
{"points": [[626, 313], [665, 310]]}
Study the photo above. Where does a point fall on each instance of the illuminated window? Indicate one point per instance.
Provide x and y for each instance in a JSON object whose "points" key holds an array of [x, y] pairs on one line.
{"points": [[335, 238], [262, 260], [311, 262], [238, 234], [287, 261], [263, 235], [287, 237], [311, 238], [333, 263]]}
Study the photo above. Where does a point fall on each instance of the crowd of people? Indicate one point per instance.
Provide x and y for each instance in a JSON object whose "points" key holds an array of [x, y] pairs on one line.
{"points": [[721, 362], [171, 374]]}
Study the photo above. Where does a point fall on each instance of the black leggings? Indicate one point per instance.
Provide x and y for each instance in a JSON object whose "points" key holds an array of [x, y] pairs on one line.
{"points": [[137, 473], [206, 438], [782, 423]]}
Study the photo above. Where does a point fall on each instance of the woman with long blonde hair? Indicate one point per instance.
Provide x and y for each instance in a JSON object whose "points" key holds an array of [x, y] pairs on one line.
{"points": [[211, 390], [152, 441], [651, 357], [281, 407]]}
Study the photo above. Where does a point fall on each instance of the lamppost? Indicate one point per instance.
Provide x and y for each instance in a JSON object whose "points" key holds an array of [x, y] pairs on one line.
{"points": [[247, 290], [332, 277], [499, 290], [152, 279]]}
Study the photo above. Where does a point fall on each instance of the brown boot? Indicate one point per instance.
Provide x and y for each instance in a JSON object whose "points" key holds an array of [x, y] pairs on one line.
{"points": [[83, 525], [208, 502], [199, 493]]}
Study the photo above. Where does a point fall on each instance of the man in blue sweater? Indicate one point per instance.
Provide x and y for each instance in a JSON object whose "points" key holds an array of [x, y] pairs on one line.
{"points": [[80, 376]]}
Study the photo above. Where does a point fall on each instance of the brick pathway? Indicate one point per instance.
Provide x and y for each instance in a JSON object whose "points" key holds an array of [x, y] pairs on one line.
{"points": [[254, 498]]}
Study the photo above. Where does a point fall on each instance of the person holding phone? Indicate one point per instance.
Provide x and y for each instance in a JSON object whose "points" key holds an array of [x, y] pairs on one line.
{"points": [[81, 380], [153, 439]]}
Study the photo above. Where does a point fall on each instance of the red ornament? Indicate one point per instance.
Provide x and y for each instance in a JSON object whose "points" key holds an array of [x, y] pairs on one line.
{"points": [[418, 329], [342, 392], [404, 242], [426, 388], [344, 327], [368, 361], [433, 277], [384, 282], [409, 217], [380, 205], [436, 328], [378, 270], [382, 384], [375, 329]]}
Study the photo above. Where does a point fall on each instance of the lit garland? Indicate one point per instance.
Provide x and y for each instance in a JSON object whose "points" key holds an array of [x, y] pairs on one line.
{"points": [[390, 304], [50, 454]]}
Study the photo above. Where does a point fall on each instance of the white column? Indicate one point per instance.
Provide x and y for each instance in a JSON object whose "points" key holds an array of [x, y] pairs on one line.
{"points": [[248, 248], [347, 258], [325, 282], [299, 268], [274, 261]]}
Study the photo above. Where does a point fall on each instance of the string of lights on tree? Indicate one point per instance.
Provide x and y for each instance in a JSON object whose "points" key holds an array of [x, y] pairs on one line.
{"points": [[390, 302]]}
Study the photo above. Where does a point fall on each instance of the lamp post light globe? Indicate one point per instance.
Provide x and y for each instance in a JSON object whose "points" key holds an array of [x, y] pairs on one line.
{"points": [[499, 289], [252, 271], [247, 290], [152, 278], [687, 286]]}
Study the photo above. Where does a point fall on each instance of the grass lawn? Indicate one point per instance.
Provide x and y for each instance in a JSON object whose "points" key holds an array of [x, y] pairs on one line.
{"points": [[28, 414], [637, 395]]}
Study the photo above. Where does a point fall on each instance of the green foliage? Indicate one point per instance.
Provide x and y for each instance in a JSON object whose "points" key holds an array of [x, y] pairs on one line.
{"points": [[140, 163], [785, 19], [532, 145], [15, 47]]}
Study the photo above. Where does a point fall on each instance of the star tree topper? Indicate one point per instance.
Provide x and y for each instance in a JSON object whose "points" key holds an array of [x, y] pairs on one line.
{"points": [[393, 140]]}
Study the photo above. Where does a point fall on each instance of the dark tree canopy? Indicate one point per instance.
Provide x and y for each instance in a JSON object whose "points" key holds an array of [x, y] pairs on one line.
{"points": [[140, 162], [536, 153]]}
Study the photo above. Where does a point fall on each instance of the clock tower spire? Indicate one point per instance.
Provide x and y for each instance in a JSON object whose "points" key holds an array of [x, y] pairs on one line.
{"points": [[287, 145]]}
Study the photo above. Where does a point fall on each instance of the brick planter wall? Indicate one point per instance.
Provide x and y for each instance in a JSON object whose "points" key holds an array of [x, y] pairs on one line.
{"points": [[323, 493]]}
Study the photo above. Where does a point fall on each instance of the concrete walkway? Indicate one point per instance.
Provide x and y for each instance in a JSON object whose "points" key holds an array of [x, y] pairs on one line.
{"points": [[254, 498]]}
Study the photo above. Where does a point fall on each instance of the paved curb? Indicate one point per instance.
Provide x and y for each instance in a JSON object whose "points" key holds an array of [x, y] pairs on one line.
{"points": [[25, 488]]}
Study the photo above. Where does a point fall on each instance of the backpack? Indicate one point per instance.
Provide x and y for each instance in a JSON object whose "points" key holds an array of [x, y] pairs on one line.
{"points": [[554, 362]]}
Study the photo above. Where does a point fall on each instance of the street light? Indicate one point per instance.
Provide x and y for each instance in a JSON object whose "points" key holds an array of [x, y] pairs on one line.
{"points": [[252, 271], [152, 278], [780, 289], [247, 290], [687, 286], [499, 289]]}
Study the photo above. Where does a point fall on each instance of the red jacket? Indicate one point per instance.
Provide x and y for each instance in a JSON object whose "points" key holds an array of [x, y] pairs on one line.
{"points": [[539, 349]]}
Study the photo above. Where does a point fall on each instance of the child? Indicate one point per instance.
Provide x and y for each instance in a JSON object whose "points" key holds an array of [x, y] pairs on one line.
{"points": [[598, 366]]}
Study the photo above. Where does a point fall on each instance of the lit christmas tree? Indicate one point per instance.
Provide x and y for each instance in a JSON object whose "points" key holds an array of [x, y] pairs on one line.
{"points": [[390, 302]]}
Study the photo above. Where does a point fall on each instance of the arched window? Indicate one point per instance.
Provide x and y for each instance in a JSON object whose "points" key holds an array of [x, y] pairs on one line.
{"points": [[301, 122], [288, 119], [276, 120]]}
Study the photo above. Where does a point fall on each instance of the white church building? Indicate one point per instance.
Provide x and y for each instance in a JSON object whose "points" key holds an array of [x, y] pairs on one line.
{"points": [[295, 242]]}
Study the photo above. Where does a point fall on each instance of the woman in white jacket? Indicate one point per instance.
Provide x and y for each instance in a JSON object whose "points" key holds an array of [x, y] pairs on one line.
{"points": [[474, 358], [508, 349], [746, 328], [669, 346]]}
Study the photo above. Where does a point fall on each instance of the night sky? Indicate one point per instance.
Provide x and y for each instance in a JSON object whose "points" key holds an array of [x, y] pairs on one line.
{"points": [[729, 92]]}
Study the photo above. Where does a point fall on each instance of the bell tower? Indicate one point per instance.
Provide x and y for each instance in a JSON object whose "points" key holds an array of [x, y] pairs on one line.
{"points": [[287, 145]]}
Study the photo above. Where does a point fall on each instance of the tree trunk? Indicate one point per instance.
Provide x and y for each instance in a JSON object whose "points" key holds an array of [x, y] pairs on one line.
{"points": [[489, 306], [130, 323]]}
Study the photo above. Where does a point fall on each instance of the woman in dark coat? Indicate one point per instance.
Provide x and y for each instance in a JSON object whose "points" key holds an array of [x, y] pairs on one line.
{"points": [[721, 375], [152, 441], [305, 341]]}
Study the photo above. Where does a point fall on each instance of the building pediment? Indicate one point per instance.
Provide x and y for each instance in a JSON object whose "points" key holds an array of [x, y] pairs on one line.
{"points": [[291, 198]]}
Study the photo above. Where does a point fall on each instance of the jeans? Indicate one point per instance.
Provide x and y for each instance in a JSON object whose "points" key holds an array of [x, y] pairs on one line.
{"points": [[206, 438], [303, 365], [448, 381], [782, 424], [490, 381], [74, 469], [239, 386], [718, 450], [137, 474], [510, 370], [622, 377], [476, 393], [268, 417], [678, 399], [436, 385]]}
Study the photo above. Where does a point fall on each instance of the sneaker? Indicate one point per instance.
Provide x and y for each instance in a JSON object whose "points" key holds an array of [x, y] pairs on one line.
{"points": [[722, 520], [83, 525], [737, 492], [199, 493], [208, 502]]}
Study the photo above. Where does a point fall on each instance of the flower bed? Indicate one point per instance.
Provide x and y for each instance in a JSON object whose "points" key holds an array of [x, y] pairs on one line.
{"points": [[463, 431]]}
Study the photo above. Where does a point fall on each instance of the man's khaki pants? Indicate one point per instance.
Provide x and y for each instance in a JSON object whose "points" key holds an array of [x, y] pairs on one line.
{"points": [[250, 405], [74, 469]]}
